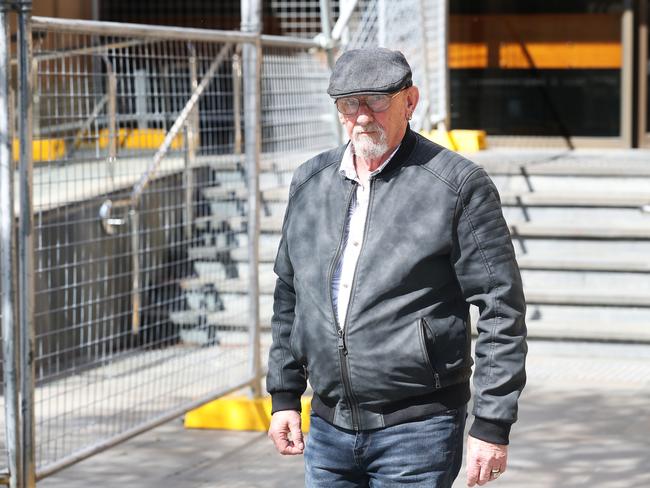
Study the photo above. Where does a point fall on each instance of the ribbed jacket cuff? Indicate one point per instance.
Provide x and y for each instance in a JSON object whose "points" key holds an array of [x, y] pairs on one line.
{"points": [[490, 431], [285, 400]]}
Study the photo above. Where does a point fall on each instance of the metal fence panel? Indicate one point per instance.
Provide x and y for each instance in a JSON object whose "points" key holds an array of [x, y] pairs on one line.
{"points": [[103, 365], [141, 264]]}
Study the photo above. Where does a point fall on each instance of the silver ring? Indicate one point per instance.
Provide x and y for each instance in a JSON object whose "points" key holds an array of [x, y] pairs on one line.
{"points": [[495, 473]]}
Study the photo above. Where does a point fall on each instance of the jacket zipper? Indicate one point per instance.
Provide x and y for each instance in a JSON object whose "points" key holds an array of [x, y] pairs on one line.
{"points": [[343, 352], [346, 374], [423, 338]]}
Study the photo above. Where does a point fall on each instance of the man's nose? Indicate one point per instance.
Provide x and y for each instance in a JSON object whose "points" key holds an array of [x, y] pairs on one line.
{"points": [[364, 114]]}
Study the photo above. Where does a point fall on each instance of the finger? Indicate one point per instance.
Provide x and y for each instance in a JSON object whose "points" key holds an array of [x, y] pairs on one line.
{"points": [[284, 445], [472, 474], [296, 435], [485, 474], [280, 440]]}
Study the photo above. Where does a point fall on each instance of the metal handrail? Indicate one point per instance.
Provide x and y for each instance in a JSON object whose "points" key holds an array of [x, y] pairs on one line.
{"points": [[148, 175], [167, 32]]}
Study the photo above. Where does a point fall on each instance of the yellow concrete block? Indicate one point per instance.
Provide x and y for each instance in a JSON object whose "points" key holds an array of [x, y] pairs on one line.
{"points": [[239, 413], [441, 137], [139, 138], [458, 140], [469, 140], [42, 149]]}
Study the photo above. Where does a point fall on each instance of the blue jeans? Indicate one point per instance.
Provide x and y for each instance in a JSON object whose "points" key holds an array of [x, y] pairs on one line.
{"points": [[423, 453]]}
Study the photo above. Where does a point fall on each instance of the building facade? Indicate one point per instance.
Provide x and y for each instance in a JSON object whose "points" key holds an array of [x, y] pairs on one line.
{"points": [[555, 72]]}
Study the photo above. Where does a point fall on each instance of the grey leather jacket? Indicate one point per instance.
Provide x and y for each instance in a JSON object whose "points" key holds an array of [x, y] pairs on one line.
{"points": [[435, 241]]}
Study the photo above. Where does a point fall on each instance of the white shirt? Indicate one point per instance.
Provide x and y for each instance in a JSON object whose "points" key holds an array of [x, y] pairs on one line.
{"points": [[352, 235]]}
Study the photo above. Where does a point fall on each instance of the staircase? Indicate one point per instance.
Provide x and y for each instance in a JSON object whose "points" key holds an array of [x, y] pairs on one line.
{"points": [[582, 241]]}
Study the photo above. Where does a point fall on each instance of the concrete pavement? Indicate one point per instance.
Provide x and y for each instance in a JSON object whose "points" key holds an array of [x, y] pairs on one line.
{"points": [[584, 422]]}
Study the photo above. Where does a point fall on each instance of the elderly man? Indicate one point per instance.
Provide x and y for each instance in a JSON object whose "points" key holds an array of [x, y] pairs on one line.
{"points": [[385, 243]]}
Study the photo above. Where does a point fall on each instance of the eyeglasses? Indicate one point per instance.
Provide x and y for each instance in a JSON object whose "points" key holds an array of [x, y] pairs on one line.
{"points": [[376, 103]]}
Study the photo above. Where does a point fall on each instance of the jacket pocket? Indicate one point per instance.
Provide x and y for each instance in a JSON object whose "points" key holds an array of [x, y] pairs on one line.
{"points": [[426, 343], [447, 344]]}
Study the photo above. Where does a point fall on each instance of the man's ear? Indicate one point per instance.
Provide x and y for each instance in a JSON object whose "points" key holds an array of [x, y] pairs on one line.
{"points": [[341, 117], [412, 98]]}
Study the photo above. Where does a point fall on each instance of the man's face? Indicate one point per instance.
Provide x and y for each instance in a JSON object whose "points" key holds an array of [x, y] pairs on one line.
{"points": [[376, 134]]}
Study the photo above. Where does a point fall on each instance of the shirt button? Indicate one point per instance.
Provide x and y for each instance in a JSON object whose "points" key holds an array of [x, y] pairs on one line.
{"points": [[345, 285], [355, 243]]}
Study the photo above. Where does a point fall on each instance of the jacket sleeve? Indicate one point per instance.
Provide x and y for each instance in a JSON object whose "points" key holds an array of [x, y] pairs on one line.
{"points": [[484, 261], [286, 380]]}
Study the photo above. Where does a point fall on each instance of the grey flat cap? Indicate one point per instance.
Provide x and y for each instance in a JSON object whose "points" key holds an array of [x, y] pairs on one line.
{"points": [[368, 72]]}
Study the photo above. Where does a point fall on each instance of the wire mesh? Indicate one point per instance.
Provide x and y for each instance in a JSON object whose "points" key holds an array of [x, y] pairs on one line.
{"points": [[301, 18], [102, 107], [298, 121], [417, 28], [141, 299]]}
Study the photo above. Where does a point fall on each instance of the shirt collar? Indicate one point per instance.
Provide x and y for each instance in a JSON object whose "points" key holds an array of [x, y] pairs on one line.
{"points": [[347, 168]]}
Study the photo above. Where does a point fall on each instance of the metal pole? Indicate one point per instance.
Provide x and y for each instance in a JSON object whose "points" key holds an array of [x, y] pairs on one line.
{"points": [[326, 29], [26, 244], [381, 23], [134, 220], [627, 74], [251, 14], [191, 137], [8, 263], [188, 180], [426, 79], [443, 94], [236, 98]]}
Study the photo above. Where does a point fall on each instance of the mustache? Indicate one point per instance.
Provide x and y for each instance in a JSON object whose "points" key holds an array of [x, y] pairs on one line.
{"points": [[373, 127]]}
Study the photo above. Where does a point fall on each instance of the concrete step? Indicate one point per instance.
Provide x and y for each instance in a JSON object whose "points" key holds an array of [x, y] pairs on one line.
{"points": [[611, 298], [269, 162], [222, 320], [240, 192], [581, 249], [593, 281], [593, 330], [570, 183], [583, 265], [583, 216], [230, 285], [272, 224], [582, 162], [216, 270], [235, 253], [575, 199], [602, 232]]}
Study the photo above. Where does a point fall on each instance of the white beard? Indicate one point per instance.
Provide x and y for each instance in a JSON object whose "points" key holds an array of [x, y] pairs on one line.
{"points": [[365, 147]]}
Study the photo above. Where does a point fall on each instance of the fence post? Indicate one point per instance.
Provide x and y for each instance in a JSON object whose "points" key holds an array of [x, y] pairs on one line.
{"points": [[426, 70], [191, 143], [251, 14], [26, 244], [8, 262], [326, 29]]}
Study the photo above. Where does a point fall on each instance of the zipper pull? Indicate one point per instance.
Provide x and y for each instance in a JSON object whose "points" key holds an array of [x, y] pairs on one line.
{"points": [[436, 378], [341, 342]]}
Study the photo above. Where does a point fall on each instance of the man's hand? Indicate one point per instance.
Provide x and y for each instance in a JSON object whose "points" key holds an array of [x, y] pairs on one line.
{"points": [[286, 433], [485, 461]]}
